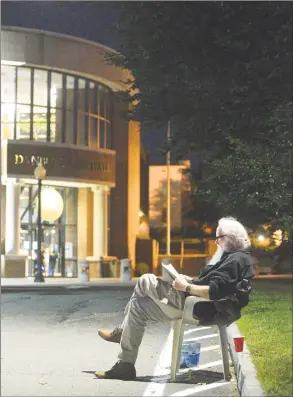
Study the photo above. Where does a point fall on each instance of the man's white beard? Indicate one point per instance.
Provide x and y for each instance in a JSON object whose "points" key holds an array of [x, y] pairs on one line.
{"points": [[216, 257]]}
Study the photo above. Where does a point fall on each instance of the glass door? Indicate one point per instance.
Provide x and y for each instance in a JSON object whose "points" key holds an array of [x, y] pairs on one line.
{"points": [[53, 259], [59, 238]]}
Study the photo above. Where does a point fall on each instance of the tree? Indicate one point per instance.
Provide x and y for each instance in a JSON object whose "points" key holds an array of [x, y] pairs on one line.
{"points": [[255, 182], [212, 67], [221, 71]]}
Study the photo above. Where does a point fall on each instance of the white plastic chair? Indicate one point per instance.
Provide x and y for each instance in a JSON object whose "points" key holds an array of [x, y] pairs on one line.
{"points": [[178, 327]]}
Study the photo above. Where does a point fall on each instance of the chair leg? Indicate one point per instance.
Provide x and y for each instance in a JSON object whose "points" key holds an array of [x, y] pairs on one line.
{"points": [[225, 354], [177, 345], [180, 342]]}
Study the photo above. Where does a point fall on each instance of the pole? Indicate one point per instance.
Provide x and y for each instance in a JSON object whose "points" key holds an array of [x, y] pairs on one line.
{"points": [[168, 237], [39, 276]]}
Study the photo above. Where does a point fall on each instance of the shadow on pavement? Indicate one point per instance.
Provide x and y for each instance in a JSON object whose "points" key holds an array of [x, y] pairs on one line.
{"points": [[192, 377]]}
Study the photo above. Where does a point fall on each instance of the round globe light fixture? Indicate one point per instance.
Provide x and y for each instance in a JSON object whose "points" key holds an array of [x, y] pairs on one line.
{"points": [[51, 204], [40, 172]]}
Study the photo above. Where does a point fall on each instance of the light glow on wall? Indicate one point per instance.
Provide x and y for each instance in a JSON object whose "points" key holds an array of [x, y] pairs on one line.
{"points": [[180, 184], [12, 63]]}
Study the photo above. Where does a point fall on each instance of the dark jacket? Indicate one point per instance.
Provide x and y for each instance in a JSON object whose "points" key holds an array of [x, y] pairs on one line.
{"points": [[225, 278]]}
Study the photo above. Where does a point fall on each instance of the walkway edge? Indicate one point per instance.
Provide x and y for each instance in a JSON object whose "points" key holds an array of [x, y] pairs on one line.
{"points": [[33, 287], [247, 382]]}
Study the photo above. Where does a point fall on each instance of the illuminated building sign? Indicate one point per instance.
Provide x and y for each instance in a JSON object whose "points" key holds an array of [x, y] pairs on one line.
{"points": [[61, 162]]}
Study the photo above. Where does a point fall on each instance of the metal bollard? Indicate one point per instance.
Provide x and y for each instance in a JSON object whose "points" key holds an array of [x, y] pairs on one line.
{"points": [[83, 271], [125, 270]]}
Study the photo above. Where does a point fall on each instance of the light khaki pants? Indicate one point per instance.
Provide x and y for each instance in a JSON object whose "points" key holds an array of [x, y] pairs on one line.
{"points": [[153, 300]]}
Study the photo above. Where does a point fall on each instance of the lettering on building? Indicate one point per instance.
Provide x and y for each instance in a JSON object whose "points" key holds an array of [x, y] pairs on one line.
{"points": [[60, 162]]}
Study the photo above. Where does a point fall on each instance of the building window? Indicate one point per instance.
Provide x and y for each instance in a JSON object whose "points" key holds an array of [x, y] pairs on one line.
{"points": [[45, 105], [82, 137]]}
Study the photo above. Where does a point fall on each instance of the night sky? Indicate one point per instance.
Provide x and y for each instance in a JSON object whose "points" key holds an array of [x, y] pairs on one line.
{"points": [[92, 20]]}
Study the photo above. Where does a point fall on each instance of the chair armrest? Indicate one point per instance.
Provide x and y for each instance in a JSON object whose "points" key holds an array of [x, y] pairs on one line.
{"points": [[190, 301]]}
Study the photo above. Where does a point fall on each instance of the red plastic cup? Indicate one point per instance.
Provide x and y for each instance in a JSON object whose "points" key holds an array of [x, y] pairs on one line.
{"points": [[238, 343]]}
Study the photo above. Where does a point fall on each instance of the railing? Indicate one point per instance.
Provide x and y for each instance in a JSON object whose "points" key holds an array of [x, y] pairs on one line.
{"points": [[160, 254]]}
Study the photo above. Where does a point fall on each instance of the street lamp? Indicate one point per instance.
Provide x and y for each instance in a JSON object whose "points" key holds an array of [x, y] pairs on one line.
{"points": [[168, 229], [40, 174]]}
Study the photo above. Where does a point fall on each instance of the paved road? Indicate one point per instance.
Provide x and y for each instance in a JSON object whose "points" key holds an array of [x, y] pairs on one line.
{"points": [[50, 348]]}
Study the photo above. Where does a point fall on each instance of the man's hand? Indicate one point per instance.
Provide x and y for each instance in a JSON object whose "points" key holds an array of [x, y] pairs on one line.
{"points": [[180, 283], [187, 278]]}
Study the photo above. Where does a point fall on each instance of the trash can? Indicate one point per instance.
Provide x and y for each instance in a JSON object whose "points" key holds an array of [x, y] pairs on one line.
{"points": [[83, 271], [104, 267], [125, 270], [109, 267]]}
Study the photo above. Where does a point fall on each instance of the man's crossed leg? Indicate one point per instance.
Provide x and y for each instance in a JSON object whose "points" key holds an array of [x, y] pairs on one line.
{"points": [[153, 300]]}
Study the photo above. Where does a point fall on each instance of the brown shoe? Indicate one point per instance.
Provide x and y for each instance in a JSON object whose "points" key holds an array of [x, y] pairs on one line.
{"points": [[111, 336], [121, 370]]}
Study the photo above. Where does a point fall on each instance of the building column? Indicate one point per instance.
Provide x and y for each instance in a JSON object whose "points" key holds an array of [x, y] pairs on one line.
{"points": [[12, 232], [100, 222], [106, 223], [14, 264]]}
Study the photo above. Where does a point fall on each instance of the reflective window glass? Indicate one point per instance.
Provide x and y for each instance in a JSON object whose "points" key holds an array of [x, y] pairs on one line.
{"points": [[69, 92], [56, 90], [56, 125], [40, 87], [69, 127], [24, 204], [79, 107], [70, 251], [7, 120], [24, 86], [81, 138], [108, 104], [23, 119], [7, 84], [40, 123], [7, 130], [102, 134], [93, 98], [58, 237], [70, 200], [93, 127], [82, 103], [108, 136], [102, 104], [81, 94]]}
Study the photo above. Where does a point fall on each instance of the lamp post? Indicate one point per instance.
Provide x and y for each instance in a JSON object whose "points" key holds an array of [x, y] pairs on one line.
{"points": [[168, 229], [40, 174]]}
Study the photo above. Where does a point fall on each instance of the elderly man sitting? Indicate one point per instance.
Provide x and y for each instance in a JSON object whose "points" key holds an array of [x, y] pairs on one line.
{"points": [[155, 300]]}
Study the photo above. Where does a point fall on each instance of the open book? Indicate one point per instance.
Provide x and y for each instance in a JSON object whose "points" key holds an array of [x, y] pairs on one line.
{"points": [[169, 273]]}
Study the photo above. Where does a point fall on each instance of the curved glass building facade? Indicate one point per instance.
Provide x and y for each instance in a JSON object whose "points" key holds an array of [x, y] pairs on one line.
{"points": [[59, 106], [50, 106]]}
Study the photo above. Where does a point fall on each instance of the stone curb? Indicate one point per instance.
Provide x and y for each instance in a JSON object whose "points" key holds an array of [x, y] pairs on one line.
{"points": [[66, 287], [247, 382]]}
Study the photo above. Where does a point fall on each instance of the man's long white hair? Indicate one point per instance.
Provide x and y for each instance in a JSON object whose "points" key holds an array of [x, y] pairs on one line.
{"points": [[236, 238]]}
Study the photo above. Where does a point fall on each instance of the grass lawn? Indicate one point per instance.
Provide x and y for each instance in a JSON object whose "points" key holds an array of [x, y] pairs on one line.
{"points": [[266, 324]]}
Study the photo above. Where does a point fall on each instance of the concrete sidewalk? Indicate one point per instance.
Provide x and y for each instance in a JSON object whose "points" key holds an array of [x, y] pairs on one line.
{"points": [[248, 384], [28, 284], [60, 281], [50, 347]]}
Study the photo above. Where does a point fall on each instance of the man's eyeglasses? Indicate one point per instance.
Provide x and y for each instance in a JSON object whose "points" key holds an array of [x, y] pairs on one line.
{"points": [[218, 237]]}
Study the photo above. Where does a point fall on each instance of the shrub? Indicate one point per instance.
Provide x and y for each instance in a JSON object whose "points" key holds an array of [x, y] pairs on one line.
{"points": [[141, 268]]}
